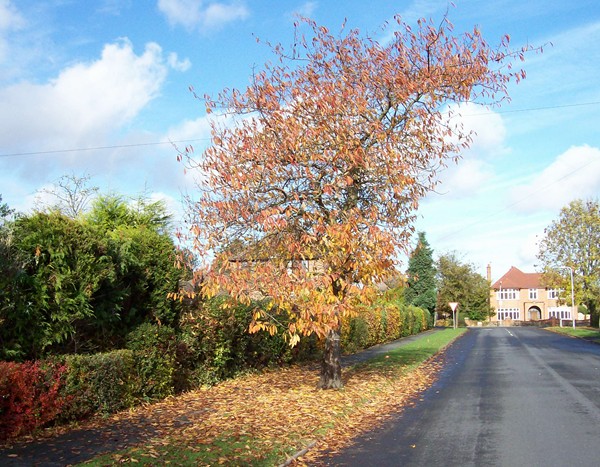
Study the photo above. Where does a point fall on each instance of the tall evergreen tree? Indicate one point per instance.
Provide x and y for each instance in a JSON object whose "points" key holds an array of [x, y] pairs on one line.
{"points": [[421, 273]]}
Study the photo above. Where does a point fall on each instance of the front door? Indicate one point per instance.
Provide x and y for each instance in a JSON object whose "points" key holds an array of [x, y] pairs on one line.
{"points": [[535, 314]]}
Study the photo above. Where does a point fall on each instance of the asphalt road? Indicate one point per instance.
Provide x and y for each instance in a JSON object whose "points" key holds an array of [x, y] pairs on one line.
{"points": [[506, 397]]}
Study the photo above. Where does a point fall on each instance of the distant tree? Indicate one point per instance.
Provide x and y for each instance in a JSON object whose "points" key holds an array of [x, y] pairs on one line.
{"points": [[573, 240], [325, 156], [112, 211], [421, 276], [459, 282], [69, 195]]}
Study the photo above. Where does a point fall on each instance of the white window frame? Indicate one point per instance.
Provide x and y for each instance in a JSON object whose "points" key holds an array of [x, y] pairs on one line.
{"points": [[559, 312], [507, 294], [508, 313], [553, 294], [533, 294]]}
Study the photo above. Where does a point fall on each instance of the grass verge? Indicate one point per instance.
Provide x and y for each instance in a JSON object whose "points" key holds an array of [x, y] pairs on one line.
{"points": [[587, 333], [263, 419]]}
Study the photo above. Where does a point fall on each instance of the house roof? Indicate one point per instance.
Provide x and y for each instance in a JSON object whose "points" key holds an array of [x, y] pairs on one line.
{"points": [[517, 279]]}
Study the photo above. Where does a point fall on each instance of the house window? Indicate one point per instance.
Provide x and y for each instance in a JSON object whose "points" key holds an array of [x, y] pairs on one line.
{"points": [[508, 313], [553, 294], [559, 313], [533, 294], [507, 294]]}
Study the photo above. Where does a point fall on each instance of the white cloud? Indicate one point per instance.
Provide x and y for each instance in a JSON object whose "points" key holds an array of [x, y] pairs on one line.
{"points": [[10, 20], [197, 134], [85, 102], [197, 14], [527, 251], [573, 174], [179, 65], [9, 16], [198, 128], [486, 127], [174, 206], [306, 9], [465, 178], [473, 170]]}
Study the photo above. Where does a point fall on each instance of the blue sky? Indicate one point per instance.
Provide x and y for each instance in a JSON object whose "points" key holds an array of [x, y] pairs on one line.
{"points": [[115, 74]]}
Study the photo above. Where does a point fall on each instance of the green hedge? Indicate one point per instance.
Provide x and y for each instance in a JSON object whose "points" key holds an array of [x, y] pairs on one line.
{"points": [[154, 355], [380, 323], [37, 394], [211, 344], [214, 344], [101, 383]]}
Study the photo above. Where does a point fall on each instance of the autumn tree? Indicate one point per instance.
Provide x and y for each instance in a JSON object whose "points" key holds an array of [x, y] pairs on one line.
{"points": [[573, 240], [458, 281], [323, 159], [421, 290]]}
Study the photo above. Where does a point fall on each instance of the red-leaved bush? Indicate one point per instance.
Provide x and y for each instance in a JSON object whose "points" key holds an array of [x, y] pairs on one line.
{"points": [[30, 396]]}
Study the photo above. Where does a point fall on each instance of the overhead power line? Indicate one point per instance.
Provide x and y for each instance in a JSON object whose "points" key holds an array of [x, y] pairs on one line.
{"points": [[534, 109], [158, 143], [96, 148]]}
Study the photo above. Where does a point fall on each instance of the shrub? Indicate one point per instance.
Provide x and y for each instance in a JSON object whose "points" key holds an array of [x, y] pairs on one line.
{"points": [[393, 322], [100, 383], [382, 322], [355, 334], [30, 396], [214, 343], [154, 350]]}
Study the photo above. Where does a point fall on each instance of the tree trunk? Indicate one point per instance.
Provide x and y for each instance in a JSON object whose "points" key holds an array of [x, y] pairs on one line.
{"points": [[331, 365]]}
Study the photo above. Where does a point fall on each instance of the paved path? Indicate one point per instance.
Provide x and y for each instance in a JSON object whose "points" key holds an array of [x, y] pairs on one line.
{"points": [[506, 397], [80, 445], [382, 349]]}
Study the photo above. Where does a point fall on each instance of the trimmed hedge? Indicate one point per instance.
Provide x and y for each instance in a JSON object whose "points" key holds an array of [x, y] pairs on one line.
{"points": [[101, 383], [30, 396], [37, 394], [380, 323], [214, 344], [154, 353], [210, 346]]}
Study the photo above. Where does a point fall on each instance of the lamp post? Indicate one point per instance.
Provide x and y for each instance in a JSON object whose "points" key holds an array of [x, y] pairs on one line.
{"points": [[572, 293]]}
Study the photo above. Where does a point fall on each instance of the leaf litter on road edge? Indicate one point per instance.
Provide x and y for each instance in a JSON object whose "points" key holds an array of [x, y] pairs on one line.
{"points": [[269, 416], [281, 411]]}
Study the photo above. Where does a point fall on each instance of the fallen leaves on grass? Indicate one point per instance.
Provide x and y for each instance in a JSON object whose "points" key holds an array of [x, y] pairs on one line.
{"points": [[276, 413]]}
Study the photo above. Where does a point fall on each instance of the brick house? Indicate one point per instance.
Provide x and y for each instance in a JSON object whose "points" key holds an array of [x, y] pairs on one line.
{"points": [[520, 296]]}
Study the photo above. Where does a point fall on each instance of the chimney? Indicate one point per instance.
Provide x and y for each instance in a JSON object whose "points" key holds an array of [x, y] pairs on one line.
{"points": [[489, 273]]}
